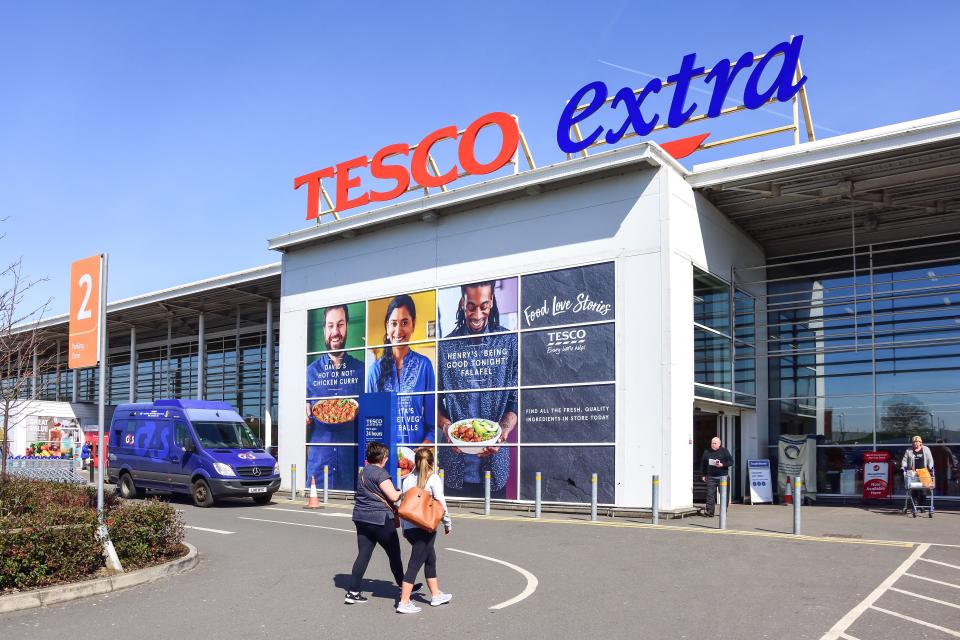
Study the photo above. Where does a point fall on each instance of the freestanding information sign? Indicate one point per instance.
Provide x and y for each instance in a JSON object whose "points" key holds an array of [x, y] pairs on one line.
{"points": [[761, 488], [378, 423], [87, 345], [876, 475]]}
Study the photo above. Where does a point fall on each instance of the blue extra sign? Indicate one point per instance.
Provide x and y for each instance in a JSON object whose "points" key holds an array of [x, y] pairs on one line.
{"points": [[378, 423], [591, 97]]}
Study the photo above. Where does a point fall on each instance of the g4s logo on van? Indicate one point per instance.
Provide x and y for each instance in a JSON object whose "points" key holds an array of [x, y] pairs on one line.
{"points": [[246, 456]]}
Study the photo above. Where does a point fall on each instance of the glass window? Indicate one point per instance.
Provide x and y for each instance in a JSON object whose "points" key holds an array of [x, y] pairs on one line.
{"points": [[225, 435], [711, 302], [711, 359]]}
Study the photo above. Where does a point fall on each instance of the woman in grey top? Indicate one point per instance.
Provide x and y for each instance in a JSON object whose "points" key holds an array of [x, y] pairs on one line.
{"points": [[918, 457], [373, 516]]}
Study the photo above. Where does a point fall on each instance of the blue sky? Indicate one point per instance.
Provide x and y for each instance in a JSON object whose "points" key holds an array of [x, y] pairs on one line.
{"points": [[169, 134]]}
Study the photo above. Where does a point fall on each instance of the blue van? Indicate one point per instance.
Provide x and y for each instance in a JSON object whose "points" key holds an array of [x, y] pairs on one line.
{"points": [[199, 447]]}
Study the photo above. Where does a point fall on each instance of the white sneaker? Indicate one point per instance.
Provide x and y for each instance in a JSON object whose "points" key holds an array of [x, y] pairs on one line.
{"points": [[408, 608], [443, 598]]}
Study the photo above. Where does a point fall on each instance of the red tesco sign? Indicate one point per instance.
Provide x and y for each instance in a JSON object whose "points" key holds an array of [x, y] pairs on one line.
{"points": [[418, 171]]}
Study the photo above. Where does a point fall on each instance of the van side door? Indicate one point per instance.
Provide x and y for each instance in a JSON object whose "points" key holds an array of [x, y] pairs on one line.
{"points": [[181, 461], [155, 454]]}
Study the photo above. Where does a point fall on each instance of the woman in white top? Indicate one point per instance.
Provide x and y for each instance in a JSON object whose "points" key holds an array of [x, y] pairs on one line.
{"points": [[423, 554]]}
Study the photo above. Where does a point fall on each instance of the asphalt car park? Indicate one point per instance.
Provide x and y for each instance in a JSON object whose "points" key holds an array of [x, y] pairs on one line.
{"points": [[281, 570]]}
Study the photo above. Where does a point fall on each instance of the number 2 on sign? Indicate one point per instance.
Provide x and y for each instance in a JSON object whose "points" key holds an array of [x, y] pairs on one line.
{"points": [[86, 281]]}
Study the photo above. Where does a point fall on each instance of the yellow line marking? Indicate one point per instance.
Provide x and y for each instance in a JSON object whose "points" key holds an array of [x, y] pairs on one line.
{"points": [[902, 544], [662, 527]]}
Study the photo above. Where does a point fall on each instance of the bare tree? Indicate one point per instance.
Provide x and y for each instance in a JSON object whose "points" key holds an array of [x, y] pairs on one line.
{"points": [[24, 350]]}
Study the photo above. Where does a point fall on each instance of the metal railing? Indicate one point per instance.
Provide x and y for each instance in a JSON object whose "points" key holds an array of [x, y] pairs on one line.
{"points": [[50, 469]]}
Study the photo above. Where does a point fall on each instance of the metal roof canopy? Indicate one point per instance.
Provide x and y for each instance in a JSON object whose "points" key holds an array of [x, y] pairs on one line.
{"points": [[221, 299], [883, 184]]}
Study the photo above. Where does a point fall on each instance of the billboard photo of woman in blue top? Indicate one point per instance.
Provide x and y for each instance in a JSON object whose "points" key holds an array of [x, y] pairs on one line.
{"points": [[400, 369]]}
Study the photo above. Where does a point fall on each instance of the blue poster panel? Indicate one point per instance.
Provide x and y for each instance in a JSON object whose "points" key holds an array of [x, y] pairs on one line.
{"points": [[378, 423]]}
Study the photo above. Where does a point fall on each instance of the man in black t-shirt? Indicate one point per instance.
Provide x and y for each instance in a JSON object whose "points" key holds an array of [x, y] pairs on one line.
{"points": [[714, 465]]}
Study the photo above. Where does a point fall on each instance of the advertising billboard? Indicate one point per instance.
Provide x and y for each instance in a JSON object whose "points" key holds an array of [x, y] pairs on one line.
{"points": [[506, 375]]}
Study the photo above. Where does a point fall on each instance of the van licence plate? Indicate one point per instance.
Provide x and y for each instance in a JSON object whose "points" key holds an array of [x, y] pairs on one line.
{"points": [[257, 490]]}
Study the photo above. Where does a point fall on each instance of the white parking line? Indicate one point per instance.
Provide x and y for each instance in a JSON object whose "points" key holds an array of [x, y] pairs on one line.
{"points": [[946, 584], [917, 595], [945, 564], [922, 622], [851, 617], [532, 581], [312, 513], [221, 531], [297, 524], [847, 636]]}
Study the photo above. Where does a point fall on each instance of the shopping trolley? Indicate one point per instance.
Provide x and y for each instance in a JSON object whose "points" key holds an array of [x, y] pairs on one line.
{"points": [[912, 481]]}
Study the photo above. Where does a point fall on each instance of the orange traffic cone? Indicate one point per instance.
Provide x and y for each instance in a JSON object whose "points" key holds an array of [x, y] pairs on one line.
{"points": [[788, 495], [314, 502]]}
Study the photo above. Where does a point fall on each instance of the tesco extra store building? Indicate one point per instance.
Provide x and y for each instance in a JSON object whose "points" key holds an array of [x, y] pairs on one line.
{"points": [[612, 313]]}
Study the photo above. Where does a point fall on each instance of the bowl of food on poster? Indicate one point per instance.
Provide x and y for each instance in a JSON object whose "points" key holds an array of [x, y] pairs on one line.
{"points": [[405, 460], [473, 435]]}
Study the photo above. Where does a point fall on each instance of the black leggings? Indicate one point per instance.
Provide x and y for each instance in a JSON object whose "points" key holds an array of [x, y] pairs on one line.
{"points": [[422, 554], [368, 537]]}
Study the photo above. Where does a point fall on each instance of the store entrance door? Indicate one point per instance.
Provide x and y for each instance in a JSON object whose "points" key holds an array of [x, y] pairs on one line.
{"points": [[706, 426]]}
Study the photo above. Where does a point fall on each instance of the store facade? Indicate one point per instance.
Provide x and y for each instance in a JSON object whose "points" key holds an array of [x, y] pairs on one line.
{"points": [[578, 280]]}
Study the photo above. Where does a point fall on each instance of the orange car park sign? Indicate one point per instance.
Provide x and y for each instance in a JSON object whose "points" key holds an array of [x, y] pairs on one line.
{"points": [[85, 289]]}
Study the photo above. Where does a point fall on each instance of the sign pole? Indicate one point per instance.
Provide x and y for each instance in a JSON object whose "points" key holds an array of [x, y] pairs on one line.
{"points": [[113, 562]]}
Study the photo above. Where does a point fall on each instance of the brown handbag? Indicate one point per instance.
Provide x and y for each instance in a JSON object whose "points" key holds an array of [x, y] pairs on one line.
{"points": [[421, 508]]}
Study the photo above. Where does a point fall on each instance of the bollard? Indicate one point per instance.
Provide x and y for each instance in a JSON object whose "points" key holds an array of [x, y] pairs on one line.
{"points": [[486, 493], [593, 497], [723, 503], [90, 466], [326, 483], [797, 499], [655, 508], [293, 482], [536, 509]]}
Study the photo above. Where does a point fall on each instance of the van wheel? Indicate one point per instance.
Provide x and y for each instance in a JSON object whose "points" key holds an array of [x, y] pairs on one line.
{"points": [[202, 496], [129, 490], [263, 498]]}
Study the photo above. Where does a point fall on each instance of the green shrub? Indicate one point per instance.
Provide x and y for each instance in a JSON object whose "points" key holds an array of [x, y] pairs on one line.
{"points": [[48, 533], [56, 544], [145, 532], [20, 496]]}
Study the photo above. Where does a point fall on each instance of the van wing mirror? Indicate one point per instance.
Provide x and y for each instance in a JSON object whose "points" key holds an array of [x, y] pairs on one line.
{"points": [[189, 445]]}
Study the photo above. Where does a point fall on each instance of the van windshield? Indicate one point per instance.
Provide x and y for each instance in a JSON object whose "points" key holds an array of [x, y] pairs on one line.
{"points": [[226, 435]]}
